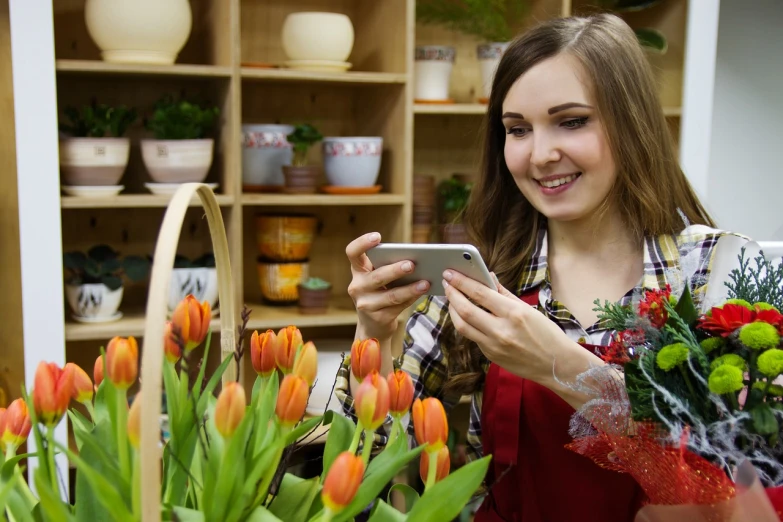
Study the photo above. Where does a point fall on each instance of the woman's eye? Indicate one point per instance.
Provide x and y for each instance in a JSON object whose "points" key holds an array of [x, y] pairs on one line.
{"points": [[575, 123], [517, 131]]}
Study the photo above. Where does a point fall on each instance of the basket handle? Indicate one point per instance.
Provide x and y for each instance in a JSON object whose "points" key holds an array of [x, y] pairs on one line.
{"points": [[154, 327]]}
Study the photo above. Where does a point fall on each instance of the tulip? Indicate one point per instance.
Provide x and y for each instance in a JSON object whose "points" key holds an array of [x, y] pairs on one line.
{"points": [[82, 385], [134, 422], [306, 365], [365, 358], [442, 467], [342, 481], [192, 319], [171, 344], [291, 400], [230, 409], [371, 401], [14, 424], [430, 424], [122, 362], [263, 350], [97, 371], [400, 392], [53, 387], [290, 339]]}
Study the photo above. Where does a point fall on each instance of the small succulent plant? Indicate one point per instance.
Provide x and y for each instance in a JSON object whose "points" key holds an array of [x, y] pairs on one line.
{"points": [[316, 283]]}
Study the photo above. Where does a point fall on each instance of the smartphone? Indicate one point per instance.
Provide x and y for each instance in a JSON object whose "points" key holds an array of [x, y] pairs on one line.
{"points": [[430, 261]]}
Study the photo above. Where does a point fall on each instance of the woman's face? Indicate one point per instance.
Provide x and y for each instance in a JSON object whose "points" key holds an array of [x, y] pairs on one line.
{"points": [[556, 148]]}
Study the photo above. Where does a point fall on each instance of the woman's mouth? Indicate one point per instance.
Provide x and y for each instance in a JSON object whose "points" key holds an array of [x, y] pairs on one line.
{"points": [[552, 186]]}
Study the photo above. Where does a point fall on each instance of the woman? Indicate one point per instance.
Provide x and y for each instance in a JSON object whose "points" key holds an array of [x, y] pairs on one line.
{"points": [[580, 198]]}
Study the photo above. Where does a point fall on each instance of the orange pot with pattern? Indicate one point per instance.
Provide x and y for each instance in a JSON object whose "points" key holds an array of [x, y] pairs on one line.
{"points": [[285, 238], [280, 281]]}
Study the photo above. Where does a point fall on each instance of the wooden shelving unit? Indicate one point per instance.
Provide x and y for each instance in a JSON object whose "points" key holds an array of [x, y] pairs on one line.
{"points": [[109, 69], [131, 201]]}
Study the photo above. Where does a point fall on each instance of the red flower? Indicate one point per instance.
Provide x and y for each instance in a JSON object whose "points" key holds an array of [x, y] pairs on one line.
{"points": [[727, 319], [652, 306], [772, 317], [621, 350]]}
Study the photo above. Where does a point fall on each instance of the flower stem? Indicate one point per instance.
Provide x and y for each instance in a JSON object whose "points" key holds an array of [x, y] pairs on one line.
{"points": [[367, 448], [395, 431], [10, 452], [136, 486], [356, 436], [733, 401], [767, 386], [50, 457], [687, 380], [326, 516], [432, 472], [122, 433], [90, 410]]}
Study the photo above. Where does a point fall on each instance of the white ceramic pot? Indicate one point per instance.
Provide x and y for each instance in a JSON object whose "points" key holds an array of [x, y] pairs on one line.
{"points": [[489, 56], [352, 161], [317, 36], [432, 72], [93, 161], [94, 302], [177, 161], [265, 150], [201, 282], [142, 31]]}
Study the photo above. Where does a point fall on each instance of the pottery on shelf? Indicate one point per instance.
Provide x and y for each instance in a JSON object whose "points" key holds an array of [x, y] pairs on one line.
{"points": [[94, 302], [93, 161], [177, 161], [168, 189], [317, 36], [432, 72], [265, 150], [489, 55], [280, 281], [352, 161], [285, 238], [86, 191], [201, 282], [301, 179]]}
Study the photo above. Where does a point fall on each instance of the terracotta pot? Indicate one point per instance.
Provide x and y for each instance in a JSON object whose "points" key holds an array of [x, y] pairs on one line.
{"points": [[423, 215], [313, 302], [421, 233], [280, 281], [285, 238], [301, 180], [454, 233]]}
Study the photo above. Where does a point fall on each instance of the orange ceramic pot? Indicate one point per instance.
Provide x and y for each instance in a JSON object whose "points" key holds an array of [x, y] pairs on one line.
{"points": [[285, 238], [279, 281]]}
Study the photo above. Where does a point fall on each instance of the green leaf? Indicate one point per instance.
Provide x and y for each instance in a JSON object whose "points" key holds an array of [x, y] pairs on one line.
{"points": [[303, 429], [261, 514], [111, 282], [231, 477], [102, 253], [686, 309], [445, 499], [383, 512], [410, 495], [212, 384], [341, 431], [22, 512], [6, 486], [202, 370], [652, 40], [136, 267], [188, 515], [259, 466], [81, 426], [293, 500], [265, 408], [764, 420]]}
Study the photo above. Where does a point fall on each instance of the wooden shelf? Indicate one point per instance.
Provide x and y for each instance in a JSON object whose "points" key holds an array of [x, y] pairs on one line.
{"points": [[104, 68], [321, 199], [265, 317], [131, 323], [132, 201], [455, 109], [290, 75]]}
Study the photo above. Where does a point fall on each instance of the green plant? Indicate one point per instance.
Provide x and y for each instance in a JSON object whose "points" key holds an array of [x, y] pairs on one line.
{"points": [[98, 121], [316, 283], [454, 194], [487, 19], [102, 264], [303, 137], [181, 120], [205, 261]]}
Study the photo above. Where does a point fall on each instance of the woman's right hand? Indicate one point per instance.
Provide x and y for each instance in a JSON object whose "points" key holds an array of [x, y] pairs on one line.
{"points": [[377, 306]]}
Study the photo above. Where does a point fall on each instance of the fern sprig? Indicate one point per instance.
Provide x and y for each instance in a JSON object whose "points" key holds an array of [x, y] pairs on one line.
{"points": [[764, 283]]}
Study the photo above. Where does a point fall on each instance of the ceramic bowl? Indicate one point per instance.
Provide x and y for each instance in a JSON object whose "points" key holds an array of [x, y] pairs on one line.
{"points": [[201, 282], [85, 191], [93, 161], [265, 150], [352, 161], [94, 302], [317, 36], [177, 161]]}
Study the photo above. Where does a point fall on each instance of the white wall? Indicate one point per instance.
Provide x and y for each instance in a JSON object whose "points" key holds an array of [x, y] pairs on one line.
{"points": [[745, 177]]}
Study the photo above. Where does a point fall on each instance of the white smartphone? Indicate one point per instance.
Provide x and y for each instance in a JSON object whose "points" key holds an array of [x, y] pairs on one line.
{"points": [[430, 261]]}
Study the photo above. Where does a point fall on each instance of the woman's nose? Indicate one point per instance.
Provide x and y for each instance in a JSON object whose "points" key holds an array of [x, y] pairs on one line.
{"points": [[545, 149]]}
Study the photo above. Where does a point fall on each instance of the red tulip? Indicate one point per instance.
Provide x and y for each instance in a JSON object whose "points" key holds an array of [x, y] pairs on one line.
{"points": [[122, 362], [400, 392], [192, 319], [53, 387], [230, 409], [306, 365], [289, 340], [82, 385], [342, 482], [443, 466], [97, 371], [430, 424], [365, 358], [371, 401], [292, 400], [171, 344], [263, 349], [14, 423]]}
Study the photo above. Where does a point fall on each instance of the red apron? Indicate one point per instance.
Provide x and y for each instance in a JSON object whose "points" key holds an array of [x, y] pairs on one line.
{"points": [[533, 477]]}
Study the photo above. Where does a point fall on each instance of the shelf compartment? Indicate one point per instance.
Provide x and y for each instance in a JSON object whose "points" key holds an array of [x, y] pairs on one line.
{"points": [[265, 317], [132, 201], [291, 75], [325, 200], [131, 323], [98, 67]]}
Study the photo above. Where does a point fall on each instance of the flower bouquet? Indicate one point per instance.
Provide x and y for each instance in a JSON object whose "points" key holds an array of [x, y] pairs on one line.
{"points": [[696, 417], [224, 456]]}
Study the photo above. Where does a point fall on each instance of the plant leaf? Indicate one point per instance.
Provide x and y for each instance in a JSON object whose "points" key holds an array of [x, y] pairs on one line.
{"points": [[764, 420], [293, 500], [686, 309], [303, 429], [261, 514], [411, 495], [101, 253], [212, 384], [231, 477], [21, 511], [383, 512], [341, 430], [188, 515], [445, 499]]}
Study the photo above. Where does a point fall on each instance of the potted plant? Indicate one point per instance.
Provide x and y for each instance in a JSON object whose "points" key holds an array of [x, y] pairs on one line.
{"points": [[314, 295], [180, 152], [197, 277], [454, 194], [93, 149], [301, 178], [94, 282]]}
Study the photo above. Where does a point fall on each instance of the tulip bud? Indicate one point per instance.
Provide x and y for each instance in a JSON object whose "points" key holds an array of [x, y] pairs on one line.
{"points": [[263, 350], [134, 422], [14, 424], [306, 365], [53, 387], [444, 464], [192, 318], [82, 385], [400, 392], [290, 339], [342, 482], [122, 362], [291, 400], [365, 358], [171, 344], [429, 423], [230, 409], [97, 371], [371, 401]]}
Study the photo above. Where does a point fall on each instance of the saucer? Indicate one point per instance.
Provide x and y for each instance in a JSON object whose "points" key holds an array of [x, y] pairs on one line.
{"points": [[447, 101], [168, 189], [114, 317], [318, 65], [332, 189], [92, 191]]}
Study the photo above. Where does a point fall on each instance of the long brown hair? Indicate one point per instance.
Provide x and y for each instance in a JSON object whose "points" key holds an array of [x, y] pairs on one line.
{"points": [[650, 186]]}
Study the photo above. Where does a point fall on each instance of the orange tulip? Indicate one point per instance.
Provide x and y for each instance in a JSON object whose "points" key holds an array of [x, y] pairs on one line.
{"points": [[82, 385], [14, 424], [291, 400], [263, 349], [122, 362], [192, 318], [171, 344], [97, 371], [429, 423], [134, 422], [53, 387], [400, 392], [443, 467], [230, 409], [372, 401], [306, 365], [342, 482], [289, 339], [365, 358]]}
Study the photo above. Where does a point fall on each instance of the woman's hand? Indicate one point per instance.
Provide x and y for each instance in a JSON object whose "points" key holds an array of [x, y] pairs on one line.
{"points": [[377, 306]]}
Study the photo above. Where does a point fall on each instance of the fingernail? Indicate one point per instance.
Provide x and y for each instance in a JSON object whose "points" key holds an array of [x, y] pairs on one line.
{"points": [[445, 284], [375, 236], [407, 266], [421, 286], [447, 275]]}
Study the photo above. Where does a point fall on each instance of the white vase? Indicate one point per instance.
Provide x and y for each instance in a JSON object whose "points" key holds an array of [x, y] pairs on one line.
{"points": [[489, 57], [317, 36], [141, 31], [94, 303], [432, 72], [202, 283], [177, 161], [265, 149]]}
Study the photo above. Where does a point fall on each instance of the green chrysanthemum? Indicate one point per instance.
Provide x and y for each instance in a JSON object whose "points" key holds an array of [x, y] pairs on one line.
{"points": [[774, 389], [759, 336], [732, 359], [711, 344], [740, 302], [765, 306], [725, 379], [671, 356], [770, 363]]}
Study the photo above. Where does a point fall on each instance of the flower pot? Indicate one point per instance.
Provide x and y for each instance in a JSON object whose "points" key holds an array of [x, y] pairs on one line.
{"points": [[454, 233], [280, 281], [285, 238], [421, 233], [489, 56], [265, 149], [314, 302], [352, 162], [142, 31], [201, 282], [177, 161], [317, 36], [432, 72], [93, 161], [301, 179], [94, 303]]}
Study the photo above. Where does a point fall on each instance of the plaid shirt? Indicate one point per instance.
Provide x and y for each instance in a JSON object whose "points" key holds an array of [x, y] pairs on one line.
{"points": [[668, 259]]}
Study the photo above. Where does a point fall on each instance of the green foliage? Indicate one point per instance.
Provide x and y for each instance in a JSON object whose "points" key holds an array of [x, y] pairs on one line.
{"points": [[613, 315], [316, 283], [486, 19], [205, 261], [181, 120], [303, 137], [454, 196], [764, 283], [98, 121], [102, 264]]}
